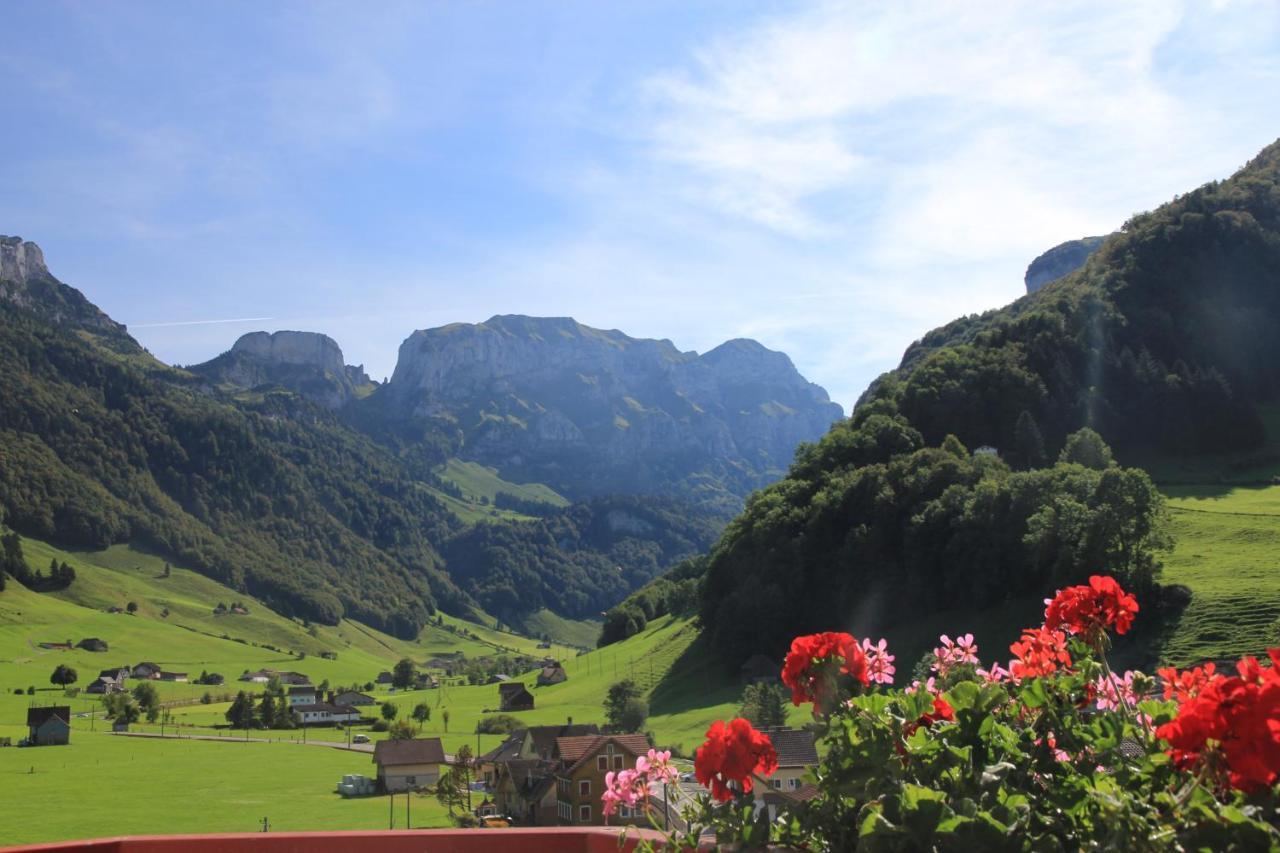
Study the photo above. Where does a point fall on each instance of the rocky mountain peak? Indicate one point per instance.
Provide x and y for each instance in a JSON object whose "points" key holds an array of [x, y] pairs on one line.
{"points": [[21, 260], [1061, 259], [307, 363], [299, 348], [25, 281]]}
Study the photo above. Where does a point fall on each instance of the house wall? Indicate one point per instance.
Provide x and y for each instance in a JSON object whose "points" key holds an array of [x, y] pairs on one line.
{"points": [[403, 777], [53, 732], [571, 798], [790, 777]]}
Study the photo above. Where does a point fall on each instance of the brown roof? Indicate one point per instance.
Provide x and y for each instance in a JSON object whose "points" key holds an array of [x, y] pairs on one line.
{"points": [[427, 750], [512, 689], [508, 750], [545, 737], [39, 716], [574, 751], [795, 747]]}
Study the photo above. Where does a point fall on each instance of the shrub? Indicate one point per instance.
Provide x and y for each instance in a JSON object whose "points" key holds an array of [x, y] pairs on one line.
{"points": [[498, 724]]}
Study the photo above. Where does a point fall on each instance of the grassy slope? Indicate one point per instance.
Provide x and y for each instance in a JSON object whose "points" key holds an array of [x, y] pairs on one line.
{"points": [[477, 481]]}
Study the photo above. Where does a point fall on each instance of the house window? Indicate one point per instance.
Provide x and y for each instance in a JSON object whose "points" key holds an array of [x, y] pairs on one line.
{"points": [[602, 762], [795, 784], [412, 780], [777, 784], [584, 788], [584, 814], [624, 811], [617, 762]]}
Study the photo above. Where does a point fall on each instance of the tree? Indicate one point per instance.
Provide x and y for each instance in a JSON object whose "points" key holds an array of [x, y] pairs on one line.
{"points": [[284, 713], [132, 607], [403, 674], [1028, 443], [267, 711], [63, 675], [389, 711], [615, 702], [1087, 448], [402, 730], [168, 570], [764, 705], [633, 715], [121, 708], [444, 717], [241, 715], [147, 697], [462, 761], [449, 790], [421, 713]]}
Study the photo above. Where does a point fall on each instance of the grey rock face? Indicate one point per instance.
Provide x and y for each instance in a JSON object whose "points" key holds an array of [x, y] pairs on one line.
{"points": [[1061, 259], [307, 363], [593, 411], [26, 282]]}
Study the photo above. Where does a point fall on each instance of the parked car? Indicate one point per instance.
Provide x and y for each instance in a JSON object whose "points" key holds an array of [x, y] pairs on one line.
{"points": [[359, 738]]}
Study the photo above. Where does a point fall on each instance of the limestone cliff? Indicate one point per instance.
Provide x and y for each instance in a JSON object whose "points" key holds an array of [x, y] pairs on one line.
{"points": [[591, 411], [1061, 259], [307, 363], [25, 281]]}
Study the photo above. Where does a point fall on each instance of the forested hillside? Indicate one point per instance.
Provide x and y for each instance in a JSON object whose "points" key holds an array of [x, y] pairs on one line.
{"points": [[1167, 338], [579, 560]]}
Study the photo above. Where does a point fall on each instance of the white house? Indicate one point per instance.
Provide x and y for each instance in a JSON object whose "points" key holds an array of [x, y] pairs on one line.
{"points": [[320, 713], [303, 695]]}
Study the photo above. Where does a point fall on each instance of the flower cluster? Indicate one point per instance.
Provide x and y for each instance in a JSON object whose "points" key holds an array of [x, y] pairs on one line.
{"points": [[1089, 610], [1232, 724], [950, 653], [1187, 684], [1041, 651], [880, 667], [811, 667], [731, 755], [1110, 693], [631, 787], [942, 712]]}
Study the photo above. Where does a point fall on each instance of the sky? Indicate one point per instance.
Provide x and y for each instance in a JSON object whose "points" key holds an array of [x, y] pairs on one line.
{"points": [[831, 179]]}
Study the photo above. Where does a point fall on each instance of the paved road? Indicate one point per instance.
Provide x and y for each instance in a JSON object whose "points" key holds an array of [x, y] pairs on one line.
{"points": [[355, 747]]}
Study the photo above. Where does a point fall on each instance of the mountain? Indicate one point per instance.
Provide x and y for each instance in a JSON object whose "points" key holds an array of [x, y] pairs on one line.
{"points": [[1061, 259], [1166, 341], [307, 363], [101, 444], [592, 412]]}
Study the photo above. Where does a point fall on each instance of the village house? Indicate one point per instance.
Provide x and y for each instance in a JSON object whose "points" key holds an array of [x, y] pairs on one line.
{"points": [[584, 761], [514, 696], [172, 676], [109, 681], [92, 644], [426, 681], [322, 713], [535, 742], [352, 698], [49, 726], [405, 765], [288, 677], [524, 789], [797, 755], [146, 670], [303, 695], [552, 673]]}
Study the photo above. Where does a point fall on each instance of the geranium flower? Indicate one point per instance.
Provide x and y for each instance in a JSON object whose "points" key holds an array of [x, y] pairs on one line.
{"points": [[1188, 683], [733, 752], [1114, 691], [996, 674], [811, 667], [1090, 610], [1233, 722], [880, 667], [942, 712], [1041, 651]]}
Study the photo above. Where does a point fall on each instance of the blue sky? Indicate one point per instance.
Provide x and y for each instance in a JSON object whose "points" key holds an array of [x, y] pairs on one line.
{"points": [[833, 179]]}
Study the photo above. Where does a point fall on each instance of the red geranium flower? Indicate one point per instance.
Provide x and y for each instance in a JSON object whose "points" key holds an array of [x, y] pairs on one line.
{"points": [[730, 755], [1041, 651], [1091, 610], [810, 667], [1188, 683], [942, 711], [1235, 719]]}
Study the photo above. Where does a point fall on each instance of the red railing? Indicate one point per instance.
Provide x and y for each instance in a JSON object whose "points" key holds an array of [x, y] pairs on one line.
{"points": [[532, 840]]}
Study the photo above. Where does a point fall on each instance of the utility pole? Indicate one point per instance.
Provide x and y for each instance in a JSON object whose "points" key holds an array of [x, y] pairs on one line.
{"points": [[408, 824], [266, 825], [391, 811]]}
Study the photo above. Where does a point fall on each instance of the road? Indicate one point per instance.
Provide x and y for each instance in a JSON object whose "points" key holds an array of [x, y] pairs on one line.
{"points": [[355, 747]]}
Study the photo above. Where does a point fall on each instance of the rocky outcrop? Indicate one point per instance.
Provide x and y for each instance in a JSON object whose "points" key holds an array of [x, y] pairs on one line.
{"points": [[25, 281], [307, 363], [591, 411], [1061, 259]]}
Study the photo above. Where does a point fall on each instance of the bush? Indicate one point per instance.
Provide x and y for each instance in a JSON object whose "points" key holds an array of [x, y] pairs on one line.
{"points": [[379, 726], [498, 724]]}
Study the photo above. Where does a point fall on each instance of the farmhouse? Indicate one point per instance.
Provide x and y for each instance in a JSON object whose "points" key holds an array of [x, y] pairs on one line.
{"points": [[584, 761], [49, 726], [535, 742], [514, 696], [525, 789], [172, 676], [146, 670], [320, 713], [351, 697], [262, 676], [552, 673], [405, 765], [109, 681], [92, 644], [797, 754], [303, 695], [290, 677]]}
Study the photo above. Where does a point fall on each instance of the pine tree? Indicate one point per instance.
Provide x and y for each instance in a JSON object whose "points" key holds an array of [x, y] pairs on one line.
{"points": [[267, 711], [764, 705], [1028, 443]]}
